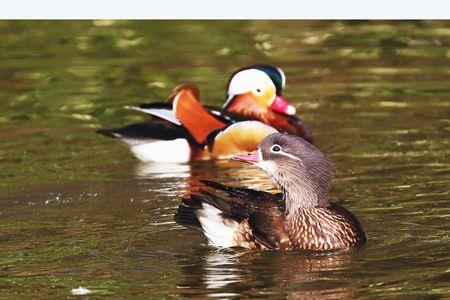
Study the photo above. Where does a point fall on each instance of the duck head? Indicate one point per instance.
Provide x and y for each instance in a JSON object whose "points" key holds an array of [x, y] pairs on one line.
{"points": [[299, 169], [257, 89]]}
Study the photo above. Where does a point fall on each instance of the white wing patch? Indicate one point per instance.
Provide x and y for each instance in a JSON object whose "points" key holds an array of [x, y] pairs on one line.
{"points": [[162, 113]]}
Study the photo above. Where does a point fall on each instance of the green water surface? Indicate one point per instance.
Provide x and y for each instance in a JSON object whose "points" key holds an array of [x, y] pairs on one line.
{"points": [[77, 209]]}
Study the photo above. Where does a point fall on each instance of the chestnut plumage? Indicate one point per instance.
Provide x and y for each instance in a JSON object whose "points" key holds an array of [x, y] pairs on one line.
{"points": [[189, 129], [300, 217]]}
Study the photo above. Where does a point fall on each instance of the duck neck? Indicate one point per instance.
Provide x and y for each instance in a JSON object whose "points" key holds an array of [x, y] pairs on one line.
{"points": [[300, 193], [249, 109]]}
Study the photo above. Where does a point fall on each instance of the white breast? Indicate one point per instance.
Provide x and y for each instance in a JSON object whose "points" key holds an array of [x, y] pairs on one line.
{"points": [[177, 150]]}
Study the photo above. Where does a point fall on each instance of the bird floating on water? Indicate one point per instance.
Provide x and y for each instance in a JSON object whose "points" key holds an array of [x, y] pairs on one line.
{"points": [[182, 129], [300, 217]]}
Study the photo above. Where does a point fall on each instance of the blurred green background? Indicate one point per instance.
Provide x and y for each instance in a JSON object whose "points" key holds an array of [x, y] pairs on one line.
{"points": [[78, 209]]}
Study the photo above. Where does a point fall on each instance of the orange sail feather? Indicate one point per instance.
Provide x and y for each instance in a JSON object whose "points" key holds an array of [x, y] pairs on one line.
{"points": [[191, 113]]}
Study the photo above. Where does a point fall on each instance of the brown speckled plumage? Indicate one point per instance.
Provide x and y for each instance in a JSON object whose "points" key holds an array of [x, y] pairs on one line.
{"points": [[301, 217], [324, 228]]}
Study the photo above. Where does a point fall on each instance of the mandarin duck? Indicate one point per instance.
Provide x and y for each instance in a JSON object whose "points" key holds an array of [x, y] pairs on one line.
{"points": [[299, 218], [182, 129]]}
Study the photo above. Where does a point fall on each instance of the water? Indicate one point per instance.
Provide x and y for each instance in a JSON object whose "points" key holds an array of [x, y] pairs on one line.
{"points": [[78, 210]]}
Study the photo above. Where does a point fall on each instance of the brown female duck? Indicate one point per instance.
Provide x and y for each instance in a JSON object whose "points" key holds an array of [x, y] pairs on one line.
{"points": [[300, 217]]}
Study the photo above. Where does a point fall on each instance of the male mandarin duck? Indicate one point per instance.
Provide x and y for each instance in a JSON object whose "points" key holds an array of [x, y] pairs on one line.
{"points": [[182, 129], [299, 218], [250, 93]]}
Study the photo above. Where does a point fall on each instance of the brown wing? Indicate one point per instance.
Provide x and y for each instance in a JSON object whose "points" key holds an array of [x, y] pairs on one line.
{"points": [[243, 193], [263, 212], [260, 214], [267, 225]]}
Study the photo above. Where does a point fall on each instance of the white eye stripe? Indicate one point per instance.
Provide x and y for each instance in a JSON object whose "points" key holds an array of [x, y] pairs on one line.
{"points": [[289, 155], [248, 80], [279, 150]]}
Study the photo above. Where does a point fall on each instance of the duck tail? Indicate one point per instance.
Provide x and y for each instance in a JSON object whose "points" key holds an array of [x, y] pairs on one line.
{"points": [[186, 214], [108, 132], [218, 218], [156, 140]]}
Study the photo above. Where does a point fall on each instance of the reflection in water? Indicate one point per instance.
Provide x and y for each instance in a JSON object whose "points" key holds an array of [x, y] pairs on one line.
{"points": [[228, 274], [302, 275], [162, 170], [188, 175], [220, 270]]}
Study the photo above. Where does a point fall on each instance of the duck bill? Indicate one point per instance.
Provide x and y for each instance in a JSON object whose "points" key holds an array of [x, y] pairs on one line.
{"points": [[250, 158], [281, 105]]}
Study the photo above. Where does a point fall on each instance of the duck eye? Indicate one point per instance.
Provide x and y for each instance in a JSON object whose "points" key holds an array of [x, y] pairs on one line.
{"points": [[276, 148], [259, 91]]}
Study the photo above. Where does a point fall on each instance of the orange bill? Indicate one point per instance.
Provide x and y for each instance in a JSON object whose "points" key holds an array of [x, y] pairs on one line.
{"points": [[250, 158]]}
